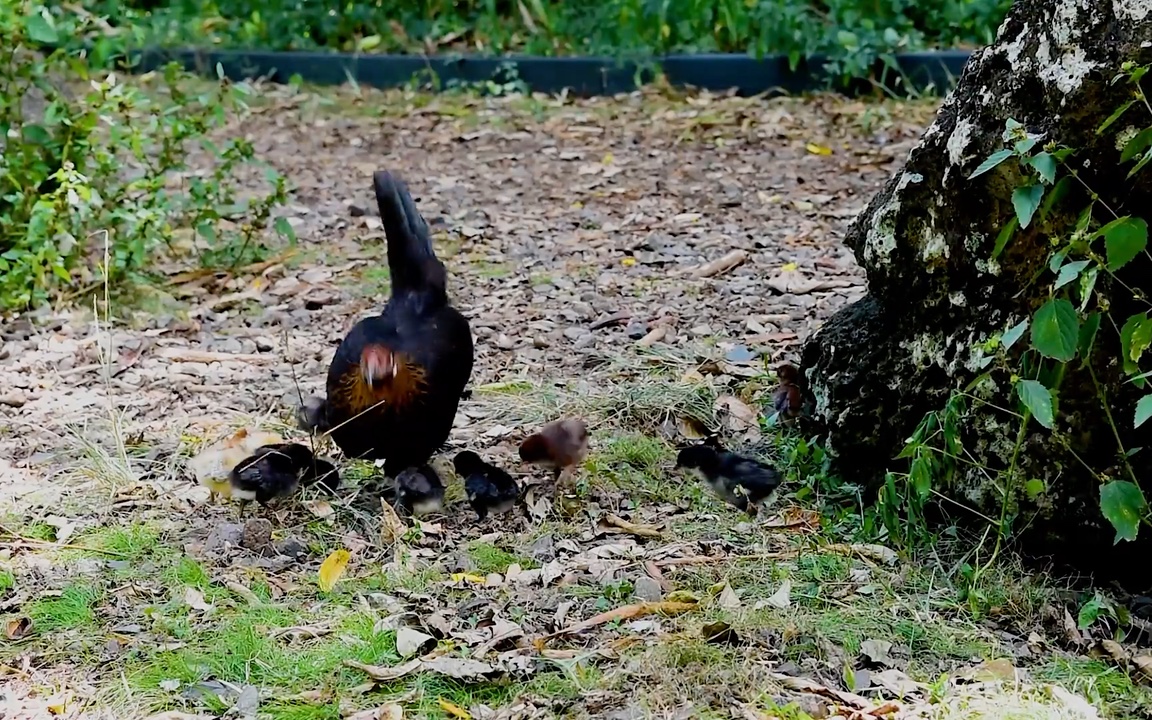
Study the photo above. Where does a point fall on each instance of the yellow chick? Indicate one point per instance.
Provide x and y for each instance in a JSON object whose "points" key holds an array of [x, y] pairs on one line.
{"points": [[213, 465]]}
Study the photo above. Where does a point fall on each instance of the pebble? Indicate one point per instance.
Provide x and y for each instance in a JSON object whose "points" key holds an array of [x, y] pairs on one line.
{"points": [[504, 342], [223, 535], [264, 344], [647, 589], [14, 399], [636, 329], [574, 333]]}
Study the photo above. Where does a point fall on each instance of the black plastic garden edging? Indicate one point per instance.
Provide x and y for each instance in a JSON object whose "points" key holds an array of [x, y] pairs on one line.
{"points": [[924, 72]]}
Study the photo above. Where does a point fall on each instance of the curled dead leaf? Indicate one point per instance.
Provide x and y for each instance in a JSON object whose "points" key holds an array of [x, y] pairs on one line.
{"points": [[392, 528], [17, 628]]}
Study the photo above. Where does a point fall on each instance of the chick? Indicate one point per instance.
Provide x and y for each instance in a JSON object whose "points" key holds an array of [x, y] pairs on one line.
{"points": [[789, 398], [278, 470], [743, 482], [419, 490], [559, 445], [489, 488], [213, 465]]}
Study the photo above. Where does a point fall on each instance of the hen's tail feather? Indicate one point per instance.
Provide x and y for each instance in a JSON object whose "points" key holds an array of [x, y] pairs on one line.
{"points": [[412, 262]]}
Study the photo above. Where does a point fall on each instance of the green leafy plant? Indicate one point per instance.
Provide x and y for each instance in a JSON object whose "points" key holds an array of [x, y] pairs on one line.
{"points": [[852, 35], [91, 166]]}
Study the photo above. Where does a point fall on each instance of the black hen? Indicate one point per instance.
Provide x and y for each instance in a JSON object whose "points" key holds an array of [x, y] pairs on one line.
{"points": [[397, 378], [741, 481], [277, 470], [419, 490], [489, 489]]}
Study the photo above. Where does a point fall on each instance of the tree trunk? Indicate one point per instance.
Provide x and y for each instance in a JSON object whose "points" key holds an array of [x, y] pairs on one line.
{"points": [[938, 290]]}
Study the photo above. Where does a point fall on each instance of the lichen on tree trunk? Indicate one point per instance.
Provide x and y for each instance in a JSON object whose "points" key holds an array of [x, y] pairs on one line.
{"points": [[935, 295]]}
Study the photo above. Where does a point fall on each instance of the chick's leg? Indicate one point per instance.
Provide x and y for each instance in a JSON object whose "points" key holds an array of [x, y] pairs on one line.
{"points": [[240, 512]]}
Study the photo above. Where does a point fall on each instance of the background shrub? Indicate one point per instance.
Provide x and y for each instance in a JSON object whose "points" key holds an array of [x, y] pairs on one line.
{"points": [[852, 32], [90, 165]]}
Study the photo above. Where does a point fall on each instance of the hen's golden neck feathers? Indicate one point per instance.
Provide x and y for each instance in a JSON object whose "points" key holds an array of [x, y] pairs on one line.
{"points": [[359, 395]]}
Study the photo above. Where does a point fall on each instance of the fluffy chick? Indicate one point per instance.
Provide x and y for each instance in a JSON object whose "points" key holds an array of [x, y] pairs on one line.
{"points": [[213, 465], [419, 490], [741, 481], [278, 470], [489, 489], [789, 398], [559, 445]]}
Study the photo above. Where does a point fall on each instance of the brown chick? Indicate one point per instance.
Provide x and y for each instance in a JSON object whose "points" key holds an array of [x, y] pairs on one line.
{"points": [[790, 399], [561, 444]]}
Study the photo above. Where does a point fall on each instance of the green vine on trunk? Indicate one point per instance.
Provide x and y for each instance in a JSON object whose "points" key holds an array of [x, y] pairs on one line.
{"points": [[1037, 352]]}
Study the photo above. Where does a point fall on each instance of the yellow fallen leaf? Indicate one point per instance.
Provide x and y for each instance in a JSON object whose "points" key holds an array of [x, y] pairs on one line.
{"points": [[453, 709], [332, 568], [790, 267], [607, 160], [468, 577], [818, 149], [577, 205], [628, 261]]}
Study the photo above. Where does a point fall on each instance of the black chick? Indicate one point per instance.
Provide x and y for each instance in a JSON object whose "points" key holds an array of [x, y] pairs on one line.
{"points": [[277, 470], [741, 481], [397, 378], [419, 490], [489, 489]]}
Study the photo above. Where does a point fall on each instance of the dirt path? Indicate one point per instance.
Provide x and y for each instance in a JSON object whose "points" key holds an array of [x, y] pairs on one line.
{"points": [[637, 260]]}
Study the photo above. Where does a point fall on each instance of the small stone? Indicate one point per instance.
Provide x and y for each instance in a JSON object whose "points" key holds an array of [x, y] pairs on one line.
{"points": [[292, 547], [701, 330], [14, 399], [264, 344], [647, 589], [222, 535], [574, 333], [585, 341], [540, 342], [257, 534], [636, 329], [356, 210], [504, 342]]}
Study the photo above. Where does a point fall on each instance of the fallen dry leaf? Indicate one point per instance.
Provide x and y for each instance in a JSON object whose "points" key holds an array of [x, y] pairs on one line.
{"points": [[1143, 665], [194, 599], [409, 641], [392, 528], [625, 612], [613, 523], [384, 673], [391, 711], [332, 568], [782, 598]]}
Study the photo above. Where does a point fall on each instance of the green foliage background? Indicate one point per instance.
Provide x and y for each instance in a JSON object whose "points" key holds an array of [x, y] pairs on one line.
{"points": [[853, 33]]}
